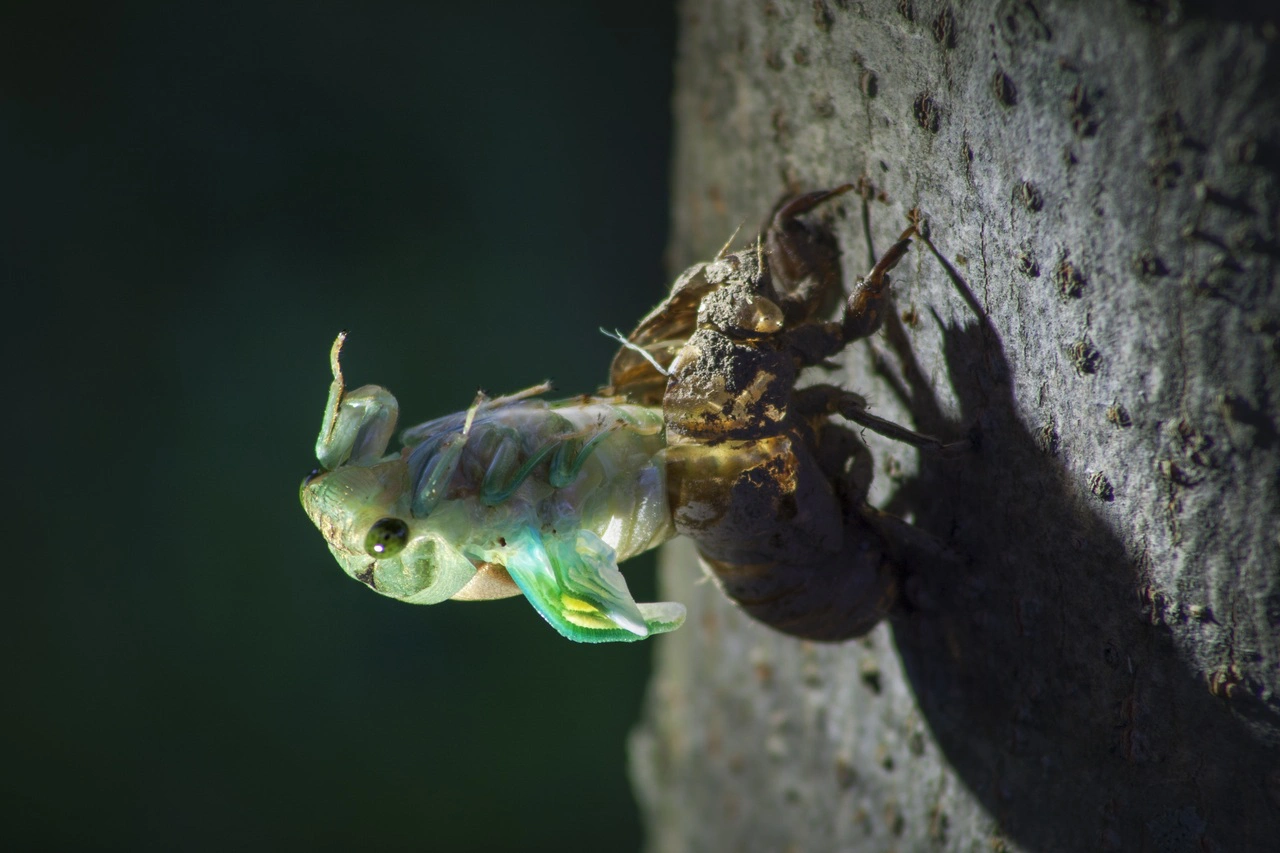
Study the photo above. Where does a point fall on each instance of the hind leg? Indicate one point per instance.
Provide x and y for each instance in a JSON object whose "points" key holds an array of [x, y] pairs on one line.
{"points": [[832, 400]]}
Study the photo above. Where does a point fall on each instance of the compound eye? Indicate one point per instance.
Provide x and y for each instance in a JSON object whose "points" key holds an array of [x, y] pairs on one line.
{"points": [[386, 538], [315, 472]]}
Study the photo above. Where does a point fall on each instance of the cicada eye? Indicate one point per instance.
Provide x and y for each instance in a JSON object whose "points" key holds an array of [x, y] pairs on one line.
{"points": [[315, 472], [386, 538]]}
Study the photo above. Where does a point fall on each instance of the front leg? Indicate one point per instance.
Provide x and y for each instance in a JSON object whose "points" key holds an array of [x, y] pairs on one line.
{"points": [[804, 260], [864, 311], [357, 424]]}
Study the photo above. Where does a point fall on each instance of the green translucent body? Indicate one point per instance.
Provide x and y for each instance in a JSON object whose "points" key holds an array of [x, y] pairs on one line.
{"points": [[515, 495]]}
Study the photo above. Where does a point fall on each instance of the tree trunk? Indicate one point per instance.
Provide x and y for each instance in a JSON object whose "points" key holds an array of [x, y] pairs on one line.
{"points": [[1100, 669]]}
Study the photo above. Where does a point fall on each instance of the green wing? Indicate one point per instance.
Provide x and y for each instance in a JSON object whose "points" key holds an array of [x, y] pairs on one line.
{"points": [[574, 582]]}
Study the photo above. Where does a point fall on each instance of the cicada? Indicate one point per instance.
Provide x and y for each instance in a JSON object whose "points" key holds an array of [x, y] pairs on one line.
{"points": [[701, 431]]}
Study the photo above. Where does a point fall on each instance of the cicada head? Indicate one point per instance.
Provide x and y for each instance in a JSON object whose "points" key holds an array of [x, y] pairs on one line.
{"points": [[364, 514], [359, 500]]}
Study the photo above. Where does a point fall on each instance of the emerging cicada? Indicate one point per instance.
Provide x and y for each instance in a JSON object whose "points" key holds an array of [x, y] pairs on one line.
{"points": [[700, 432]]}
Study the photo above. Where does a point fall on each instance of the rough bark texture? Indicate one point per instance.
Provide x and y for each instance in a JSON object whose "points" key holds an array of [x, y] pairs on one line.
{"points": [[1101, 670]]}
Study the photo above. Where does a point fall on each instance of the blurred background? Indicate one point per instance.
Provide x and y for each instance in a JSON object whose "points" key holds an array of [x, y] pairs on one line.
{"points": [[196, 198]]}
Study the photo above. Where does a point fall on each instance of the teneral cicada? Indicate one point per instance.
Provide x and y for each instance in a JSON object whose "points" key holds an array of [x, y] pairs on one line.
{"points": [[701, 431]]}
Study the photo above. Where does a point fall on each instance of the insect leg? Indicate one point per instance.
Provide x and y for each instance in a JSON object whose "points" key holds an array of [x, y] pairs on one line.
{"points": [[832, 400], [570, 456], [864, 310], [801, 204], [357, 424], [812, 343], [483, 405], [804, 261], [433, 464], [500, 482]]}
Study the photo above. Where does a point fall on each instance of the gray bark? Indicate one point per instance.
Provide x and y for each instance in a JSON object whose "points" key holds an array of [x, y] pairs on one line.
{"points": [[1100, 671]]}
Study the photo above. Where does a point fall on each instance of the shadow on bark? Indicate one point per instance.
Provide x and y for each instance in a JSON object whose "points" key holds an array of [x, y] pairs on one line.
{"points": [[1046, 676]]}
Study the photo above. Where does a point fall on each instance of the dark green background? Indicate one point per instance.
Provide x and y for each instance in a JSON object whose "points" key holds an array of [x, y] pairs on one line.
{"points": [[196, 198]]}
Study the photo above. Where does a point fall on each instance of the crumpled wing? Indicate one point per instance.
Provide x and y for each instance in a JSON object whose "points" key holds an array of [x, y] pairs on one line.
{"points": [[574, 582]]}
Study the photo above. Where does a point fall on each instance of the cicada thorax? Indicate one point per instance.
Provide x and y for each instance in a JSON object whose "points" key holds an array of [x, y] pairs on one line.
{"points": [[585, 463], [808, 284], [721, 388]]}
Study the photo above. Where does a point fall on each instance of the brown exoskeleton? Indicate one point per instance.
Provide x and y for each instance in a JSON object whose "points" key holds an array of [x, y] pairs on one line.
{"points": [[758, 474], [702, 431]]}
